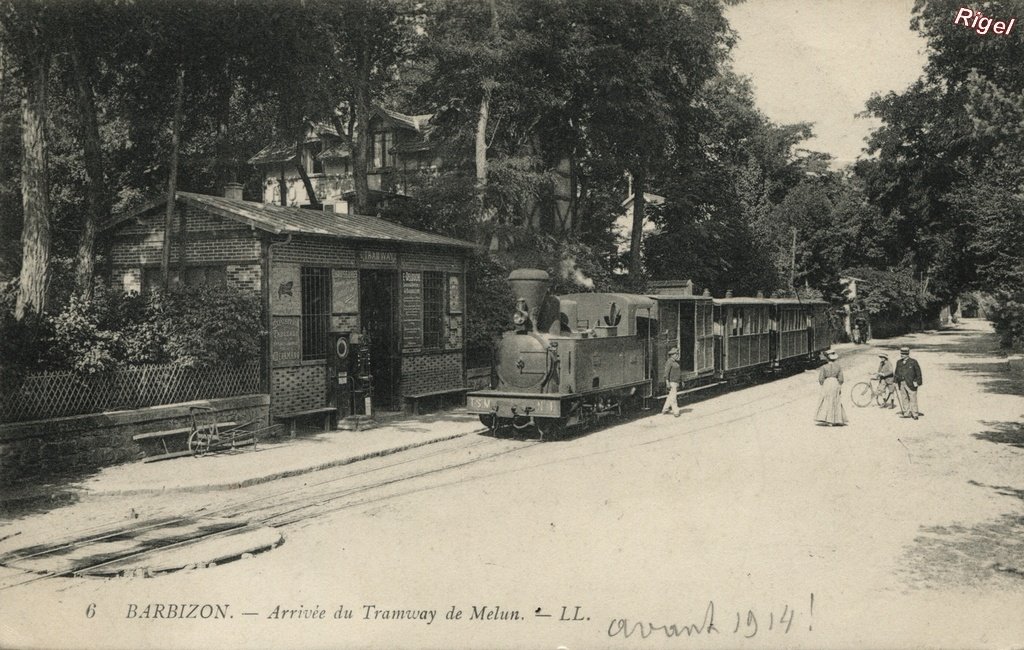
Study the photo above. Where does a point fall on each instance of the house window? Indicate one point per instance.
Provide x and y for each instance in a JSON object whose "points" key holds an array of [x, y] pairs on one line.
{"points": [[316, 312], [382, 154], [433, 309]]}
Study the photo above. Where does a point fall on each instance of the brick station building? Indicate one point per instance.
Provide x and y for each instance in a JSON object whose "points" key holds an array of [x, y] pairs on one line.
{"points": [[314, 272]]}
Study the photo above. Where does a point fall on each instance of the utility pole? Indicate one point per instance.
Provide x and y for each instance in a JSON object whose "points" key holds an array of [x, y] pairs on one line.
{"points": [[792, 262]]}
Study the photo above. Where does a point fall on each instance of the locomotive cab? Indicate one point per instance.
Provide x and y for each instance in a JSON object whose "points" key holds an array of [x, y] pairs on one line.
{"points": [[566, 358]]}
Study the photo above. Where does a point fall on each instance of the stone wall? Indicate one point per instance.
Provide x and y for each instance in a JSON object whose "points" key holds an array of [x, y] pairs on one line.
{"points": [[86, 443]]}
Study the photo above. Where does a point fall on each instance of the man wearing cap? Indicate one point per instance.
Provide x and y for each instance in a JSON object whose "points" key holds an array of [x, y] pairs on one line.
{"points": [[673, 375], [885, 375], [908, 379]]}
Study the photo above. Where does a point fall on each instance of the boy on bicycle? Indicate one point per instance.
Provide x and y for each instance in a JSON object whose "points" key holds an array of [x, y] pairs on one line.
{"points": [[886, 374]]}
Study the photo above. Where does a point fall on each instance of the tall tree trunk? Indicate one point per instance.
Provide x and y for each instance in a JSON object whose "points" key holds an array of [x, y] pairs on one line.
{"points": [[481, 150], [637, 234], [95, 186], [360, 145], [483, 115], [35, 192], [282, 183], [4, 217], [226, 169], [172, 179], [310, 192]]}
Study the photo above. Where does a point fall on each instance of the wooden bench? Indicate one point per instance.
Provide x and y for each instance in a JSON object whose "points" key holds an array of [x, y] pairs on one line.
{"points": [[416, 398], [163, 435], [327, 411]]}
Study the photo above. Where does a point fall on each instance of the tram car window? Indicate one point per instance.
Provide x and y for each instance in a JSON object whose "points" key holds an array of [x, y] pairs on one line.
{"points": [[744, 347], [684, 322]]}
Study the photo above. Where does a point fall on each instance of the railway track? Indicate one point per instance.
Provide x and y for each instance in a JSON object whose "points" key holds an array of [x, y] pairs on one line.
{"points": [[164, 543], [161, 544]]}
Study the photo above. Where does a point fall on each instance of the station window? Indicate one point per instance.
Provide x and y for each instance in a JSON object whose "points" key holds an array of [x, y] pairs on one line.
{"points": [[316, 312], [192, 276], [433, 309]]}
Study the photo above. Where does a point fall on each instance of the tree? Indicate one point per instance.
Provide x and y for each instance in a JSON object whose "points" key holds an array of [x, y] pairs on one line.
{"points": [[645, 62], [28, 28], [947, 157]]}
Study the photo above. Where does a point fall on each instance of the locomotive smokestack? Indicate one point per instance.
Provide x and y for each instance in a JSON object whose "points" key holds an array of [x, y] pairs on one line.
{"points": [[530, 285]]}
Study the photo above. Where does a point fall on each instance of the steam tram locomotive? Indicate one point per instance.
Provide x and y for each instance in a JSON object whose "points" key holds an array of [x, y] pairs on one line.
{"points": [[570, 360]]}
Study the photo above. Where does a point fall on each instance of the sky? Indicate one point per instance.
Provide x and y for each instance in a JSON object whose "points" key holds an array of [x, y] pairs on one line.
{"points": [[820, 60]]}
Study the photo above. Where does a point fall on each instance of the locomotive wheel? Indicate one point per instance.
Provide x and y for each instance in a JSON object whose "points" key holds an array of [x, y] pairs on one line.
{"points": [[487, 420]]}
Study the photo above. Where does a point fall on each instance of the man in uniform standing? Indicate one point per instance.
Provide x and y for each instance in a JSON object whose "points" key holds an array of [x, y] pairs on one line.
{"points": [[908, 380], [673, 375]]}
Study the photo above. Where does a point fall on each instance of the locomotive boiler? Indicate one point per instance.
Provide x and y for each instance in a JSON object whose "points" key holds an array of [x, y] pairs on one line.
{"points": [[567, 360]]}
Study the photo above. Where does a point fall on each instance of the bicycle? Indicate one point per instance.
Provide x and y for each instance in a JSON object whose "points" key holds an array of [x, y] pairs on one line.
{"points": [[875, 389]]}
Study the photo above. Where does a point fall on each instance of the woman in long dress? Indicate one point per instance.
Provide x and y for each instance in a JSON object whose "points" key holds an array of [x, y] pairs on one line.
{"points": [[830, 405]]}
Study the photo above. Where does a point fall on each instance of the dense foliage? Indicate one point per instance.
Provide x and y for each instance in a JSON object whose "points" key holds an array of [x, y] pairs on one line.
{"points": [[948, 162], [547, 113], [192, 327]]}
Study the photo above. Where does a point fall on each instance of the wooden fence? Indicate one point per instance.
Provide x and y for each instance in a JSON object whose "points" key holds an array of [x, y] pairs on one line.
{"points": [[61, 394]]}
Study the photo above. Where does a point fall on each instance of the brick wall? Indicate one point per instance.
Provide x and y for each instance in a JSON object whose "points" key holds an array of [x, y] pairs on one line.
{"points": [[426, 373], [86, 443], [298, 388], [245, 276], [423, 261], [135, 244], [315, 252], [211, 240]]}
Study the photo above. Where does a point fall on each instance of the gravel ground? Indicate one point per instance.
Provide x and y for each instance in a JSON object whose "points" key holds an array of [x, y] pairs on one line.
{"points": [[741, 520]]}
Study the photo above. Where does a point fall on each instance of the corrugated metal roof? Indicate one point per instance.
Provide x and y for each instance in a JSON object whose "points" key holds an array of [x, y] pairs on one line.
{"points": [[282, 220], [299, 221]]}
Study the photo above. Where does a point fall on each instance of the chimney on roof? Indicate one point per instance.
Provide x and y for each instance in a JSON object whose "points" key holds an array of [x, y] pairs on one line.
{"points": [[707, 292], [760, 294], [728, 293], [233, 191]]}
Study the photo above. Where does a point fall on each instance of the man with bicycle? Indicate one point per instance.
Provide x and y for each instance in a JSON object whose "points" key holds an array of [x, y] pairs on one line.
{"points": [[886, 375], [908, 378]]}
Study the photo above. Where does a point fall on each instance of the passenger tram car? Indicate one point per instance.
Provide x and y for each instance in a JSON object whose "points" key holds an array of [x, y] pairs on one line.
{"points": [[570, 360]]}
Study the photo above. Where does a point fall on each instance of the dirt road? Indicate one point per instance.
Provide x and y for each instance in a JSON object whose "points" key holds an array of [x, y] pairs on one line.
{"points": [[739, 524]]}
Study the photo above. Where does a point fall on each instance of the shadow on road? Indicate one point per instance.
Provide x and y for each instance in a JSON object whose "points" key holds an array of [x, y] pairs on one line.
{"points": [[1007, 433], [984, 554], [40, 494]]}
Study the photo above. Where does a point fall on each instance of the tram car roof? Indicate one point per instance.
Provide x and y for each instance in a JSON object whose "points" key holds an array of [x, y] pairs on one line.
{"points": [[795, 301], [621, 300], [666, 297], [764, 302]]}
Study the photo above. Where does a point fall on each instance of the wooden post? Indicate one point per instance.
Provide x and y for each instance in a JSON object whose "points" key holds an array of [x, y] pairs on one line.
{"points": [[172, 180]]}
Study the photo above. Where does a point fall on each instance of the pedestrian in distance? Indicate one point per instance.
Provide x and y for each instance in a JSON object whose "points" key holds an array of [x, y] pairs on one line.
{"points": [[830, 405], [673, 375], [886, 375], [908, 380]]}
